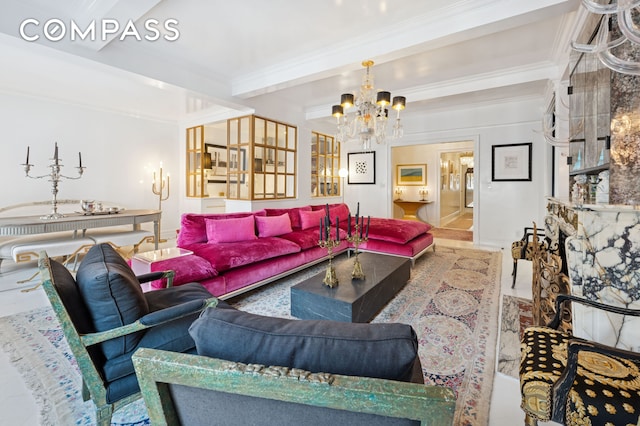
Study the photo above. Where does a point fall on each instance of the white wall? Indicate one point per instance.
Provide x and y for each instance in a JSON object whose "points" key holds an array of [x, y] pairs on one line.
{"points": [[504, 208], [120, 154]]}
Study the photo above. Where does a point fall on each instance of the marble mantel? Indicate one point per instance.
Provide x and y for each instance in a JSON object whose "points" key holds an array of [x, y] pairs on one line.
{"points": [[602, 253]]}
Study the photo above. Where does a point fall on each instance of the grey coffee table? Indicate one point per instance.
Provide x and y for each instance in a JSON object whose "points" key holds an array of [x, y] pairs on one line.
{"points": [[351, 300]]}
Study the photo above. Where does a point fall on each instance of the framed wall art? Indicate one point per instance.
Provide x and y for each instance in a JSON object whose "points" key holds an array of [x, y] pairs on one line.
{"points": [[411, 174], [511, 162], [362, 167]]}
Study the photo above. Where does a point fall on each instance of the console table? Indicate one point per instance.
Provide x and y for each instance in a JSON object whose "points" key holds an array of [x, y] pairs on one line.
{"points": [[30, 225], [410, 208]]}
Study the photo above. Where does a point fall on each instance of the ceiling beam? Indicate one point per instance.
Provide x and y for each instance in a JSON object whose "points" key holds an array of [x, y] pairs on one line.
{"points": [[462, 20]]}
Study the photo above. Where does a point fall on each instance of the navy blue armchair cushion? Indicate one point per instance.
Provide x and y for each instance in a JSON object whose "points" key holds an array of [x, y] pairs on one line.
{"points": [[113, 296], [171, 336], [386, 351], [69, 293]]}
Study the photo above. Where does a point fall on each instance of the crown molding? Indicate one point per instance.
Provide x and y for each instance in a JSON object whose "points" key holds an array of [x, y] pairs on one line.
{"points": [[490, 80]]}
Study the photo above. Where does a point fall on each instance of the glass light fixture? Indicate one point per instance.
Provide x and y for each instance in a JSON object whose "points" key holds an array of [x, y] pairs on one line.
{"points": [[369, 120], [602, 47]]}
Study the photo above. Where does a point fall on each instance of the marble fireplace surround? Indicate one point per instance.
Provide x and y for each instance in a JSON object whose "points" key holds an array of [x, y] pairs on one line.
{"points": [[602, 253]]}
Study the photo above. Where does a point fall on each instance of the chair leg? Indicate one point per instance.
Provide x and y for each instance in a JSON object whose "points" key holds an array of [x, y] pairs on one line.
{"points": [[530, 420], [28, 279], [103, 415], [514, 273]]}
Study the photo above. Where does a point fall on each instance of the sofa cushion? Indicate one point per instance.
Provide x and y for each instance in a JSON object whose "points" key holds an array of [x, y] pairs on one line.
{"points": [[72, 300], [169, 336], [294, 214], [193, 229], [341, 211], [386, 351], [112, 294], [225, 256], [230, 230], [187, 269], [395, 230], [308, 238], [310, 219], [272, 226]]}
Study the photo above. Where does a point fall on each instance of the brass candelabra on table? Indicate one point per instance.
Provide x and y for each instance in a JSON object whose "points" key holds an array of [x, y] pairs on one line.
{"points": [[330, 277], [159, 191], [356, 239], [55, 176]]}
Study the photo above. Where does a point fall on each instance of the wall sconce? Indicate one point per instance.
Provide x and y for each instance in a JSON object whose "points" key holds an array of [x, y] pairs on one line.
{"points": [[423, 193], [343, 173]]}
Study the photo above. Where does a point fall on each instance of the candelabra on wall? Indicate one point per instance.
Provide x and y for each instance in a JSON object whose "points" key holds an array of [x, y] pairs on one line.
{"points": [[423, 193], [399, 191], [55, 176], [159, 190]]}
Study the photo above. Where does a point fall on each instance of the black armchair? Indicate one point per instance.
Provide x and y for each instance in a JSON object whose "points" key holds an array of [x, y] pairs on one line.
{"points": [[105, 317], [574, 381]]}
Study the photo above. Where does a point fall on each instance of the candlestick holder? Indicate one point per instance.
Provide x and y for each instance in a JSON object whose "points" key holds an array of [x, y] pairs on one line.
{"points": [[356, 239], [158, 189], [55, 176], [330, 277]]}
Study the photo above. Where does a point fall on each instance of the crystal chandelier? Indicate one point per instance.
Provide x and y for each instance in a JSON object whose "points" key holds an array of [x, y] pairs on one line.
{"points": [[602, 47], [369, 120]]}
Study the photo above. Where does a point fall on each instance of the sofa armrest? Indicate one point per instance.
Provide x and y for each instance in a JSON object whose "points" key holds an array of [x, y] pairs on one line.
{"points": [[223, 386], [177, 311], [158, 275], [150, 320], [562, 298]]}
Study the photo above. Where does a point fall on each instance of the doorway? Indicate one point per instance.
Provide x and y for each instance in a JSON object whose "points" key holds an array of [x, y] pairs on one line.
{"points": [[456, 190], [462, 155]]}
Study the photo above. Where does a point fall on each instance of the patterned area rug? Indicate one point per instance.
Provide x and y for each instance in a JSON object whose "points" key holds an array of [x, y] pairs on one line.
{"points": [[37, 348], [516, 317], [451, 300]]}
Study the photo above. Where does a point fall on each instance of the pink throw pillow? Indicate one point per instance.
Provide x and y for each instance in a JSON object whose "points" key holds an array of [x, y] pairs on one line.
{"points": [[294, 214], [340, 211], [311, 219], [230, 230], [271, 226]]}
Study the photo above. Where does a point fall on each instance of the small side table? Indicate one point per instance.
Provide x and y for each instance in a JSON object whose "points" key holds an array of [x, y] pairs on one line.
{"points": [[141, 262], [410, 208]]}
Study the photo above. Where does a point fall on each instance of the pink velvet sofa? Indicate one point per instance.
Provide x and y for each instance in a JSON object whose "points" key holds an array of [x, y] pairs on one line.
{"points": [[236, 252]]}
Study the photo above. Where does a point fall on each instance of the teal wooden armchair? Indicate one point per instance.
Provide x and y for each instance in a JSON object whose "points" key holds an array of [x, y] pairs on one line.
{"points": [[161, 327], [193, 390]]}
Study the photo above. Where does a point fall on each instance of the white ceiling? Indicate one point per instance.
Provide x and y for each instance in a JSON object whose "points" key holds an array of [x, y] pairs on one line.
{"points": [[230, 54]]}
